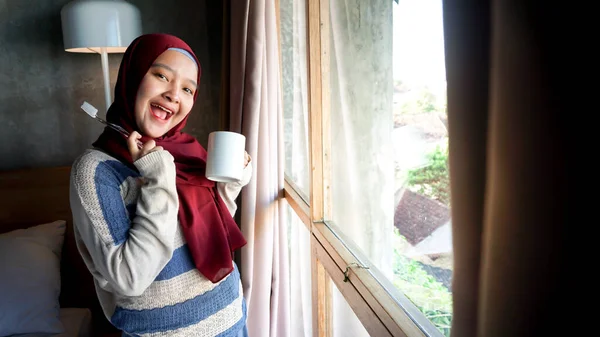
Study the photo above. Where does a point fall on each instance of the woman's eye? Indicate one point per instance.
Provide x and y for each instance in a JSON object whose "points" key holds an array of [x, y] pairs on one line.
{"points": [[188, 90], [161, 76]]}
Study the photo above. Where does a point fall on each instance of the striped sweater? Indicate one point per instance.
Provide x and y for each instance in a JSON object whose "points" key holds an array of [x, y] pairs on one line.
{"points": [[127, 232]]}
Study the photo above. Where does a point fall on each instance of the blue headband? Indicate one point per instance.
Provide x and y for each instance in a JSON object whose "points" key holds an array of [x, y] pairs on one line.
{"points": [[186, 53]]}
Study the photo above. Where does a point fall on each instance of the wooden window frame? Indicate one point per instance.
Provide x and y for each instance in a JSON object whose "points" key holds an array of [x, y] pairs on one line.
{"points": [[382, 313]]}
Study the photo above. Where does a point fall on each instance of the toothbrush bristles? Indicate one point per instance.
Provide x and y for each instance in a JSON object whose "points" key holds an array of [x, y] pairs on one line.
{"points": [[89, 109]]}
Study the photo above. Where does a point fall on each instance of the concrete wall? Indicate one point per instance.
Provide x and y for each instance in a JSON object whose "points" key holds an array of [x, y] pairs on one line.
{"points": [[42, 86]]}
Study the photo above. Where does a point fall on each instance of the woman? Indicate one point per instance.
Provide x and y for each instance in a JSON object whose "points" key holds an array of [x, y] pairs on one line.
{"points": [[157, 236]]}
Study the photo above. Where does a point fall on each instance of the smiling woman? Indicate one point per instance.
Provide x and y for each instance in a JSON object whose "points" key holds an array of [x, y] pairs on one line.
{"points": [[155, 233], [166, 93]]}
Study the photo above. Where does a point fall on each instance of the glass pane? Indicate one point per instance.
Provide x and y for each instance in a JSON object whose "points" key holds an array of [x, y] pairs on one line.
{"points": [[345, 322], [300, 279], [295, 92], [389, 180]]}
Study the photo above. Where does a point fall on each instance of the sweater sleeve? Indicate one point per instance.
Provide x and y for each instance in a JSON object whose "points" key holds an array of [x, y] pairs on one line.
{"points": [[230, 191], [125, 253]]}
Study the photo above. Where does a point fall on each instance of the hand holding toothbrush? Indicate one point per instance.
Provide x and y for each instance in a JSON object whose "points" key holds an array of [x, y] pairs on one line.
{"points": [[93, 112], [137, 149], [138, 152]]}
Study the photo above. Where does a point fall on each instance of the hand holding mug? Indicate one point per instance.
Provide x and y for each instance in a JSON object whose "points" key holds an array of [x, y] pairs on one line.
{"points": [[247, 159]]}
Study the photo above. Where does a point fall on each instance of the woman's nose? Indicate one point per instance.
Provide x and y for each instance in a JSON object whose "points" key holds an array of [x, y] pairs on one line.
{"points": [[172, 95]]}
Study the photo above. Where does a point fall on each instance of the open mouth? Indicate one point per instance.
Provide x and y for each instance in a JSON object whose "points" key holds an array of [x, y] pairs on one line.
{"points": [[160, 112]]}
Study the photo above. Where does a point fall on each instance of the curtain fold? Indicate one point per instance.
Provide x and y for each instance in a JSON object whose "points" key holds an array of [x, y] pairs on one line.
{"points": [[255, 111], [507, 166]]}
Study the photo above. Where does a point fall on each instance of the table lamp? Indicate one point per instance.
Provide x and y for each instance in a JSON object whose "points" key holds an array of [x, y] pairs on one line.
{"points": [[100, 26]]}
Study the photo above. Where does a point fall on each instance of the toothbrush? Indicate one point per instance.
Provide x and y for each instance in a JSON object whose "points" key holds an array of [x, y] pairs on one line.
{"points": [[93, 112]]}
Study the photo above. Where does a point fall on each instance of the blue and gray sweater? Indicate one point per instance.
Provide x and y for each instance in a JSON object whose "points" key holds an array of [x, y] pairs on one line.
{"points": [[127, 231]]}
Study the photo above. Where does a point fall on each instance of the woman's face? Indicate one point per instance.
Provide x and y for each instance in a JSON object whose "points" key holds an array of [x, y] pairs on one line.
{"points": [[166, 94]]}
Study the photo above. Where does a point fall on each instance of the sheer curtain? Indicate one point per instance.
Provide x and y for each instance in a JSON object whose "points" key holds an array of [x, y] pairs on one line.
{"points": [[362, 178], [293, 27], [361, 125], [255, 111], [300, 278]]}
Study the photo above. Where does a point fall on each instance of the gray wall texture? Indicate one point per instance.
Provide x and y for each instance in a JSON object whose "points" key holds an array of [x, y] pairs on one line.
{"points": [[42, 86]]}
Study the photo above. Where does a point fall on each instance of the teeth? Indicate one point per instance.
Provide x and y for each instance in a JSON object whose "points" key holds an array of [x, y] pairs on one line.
{"points": [[164, 109]]}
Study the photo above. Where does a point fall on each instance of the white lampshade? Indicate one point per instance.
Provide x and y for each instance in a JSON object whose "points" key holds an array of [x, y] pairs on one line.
{"points": [[100, 26], [89, 25]]}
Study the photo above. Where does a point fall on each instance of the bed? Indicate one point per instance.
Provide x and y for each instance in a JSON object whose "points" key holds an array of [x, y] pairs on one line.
{"points": [[31, 197]]}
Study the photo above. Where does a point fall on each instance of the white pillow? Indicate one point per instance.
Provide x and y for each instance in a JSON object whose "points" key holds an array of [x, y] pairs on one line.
{"points": [[30, 279]]}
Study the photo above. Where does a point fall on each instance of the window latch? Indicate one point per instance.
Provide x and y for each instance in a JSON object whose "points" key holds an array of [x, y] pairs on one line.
{"points": [[347, 271]]}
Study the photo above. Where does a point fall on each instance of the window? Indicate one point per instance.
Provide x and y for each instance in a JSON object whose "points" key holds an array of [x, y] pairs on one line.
{"points": [[295, 94], [366, 162]]}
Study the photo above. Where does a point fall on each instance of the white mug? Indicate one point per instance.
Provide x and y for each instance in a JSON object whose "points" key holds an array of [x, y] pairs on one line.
{"points": [[225, 158]]}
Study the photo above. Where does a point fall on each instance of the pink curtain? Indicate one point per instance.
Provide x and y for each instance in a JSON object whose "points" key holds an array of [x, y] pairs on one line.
{"points": [[255, 111]]}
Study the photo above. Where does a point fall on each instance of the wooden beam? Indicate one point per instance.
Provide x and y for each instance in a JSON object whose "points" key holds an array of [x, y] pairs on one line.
{"points": [[365, 314], [325, 106], [315, 126], [298, 204], [321, 283], [392, 316], [324, 310]]}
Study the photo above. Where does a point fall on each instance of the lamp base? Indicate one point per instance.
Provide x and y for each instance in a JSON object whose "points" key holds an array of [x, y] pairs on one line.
{"points": [[105, 72]]}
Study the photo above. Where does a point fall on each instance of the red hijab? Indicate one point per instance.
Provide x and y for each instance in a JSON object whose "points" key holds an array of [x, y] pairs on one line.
{"points": [[209, 229]]}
